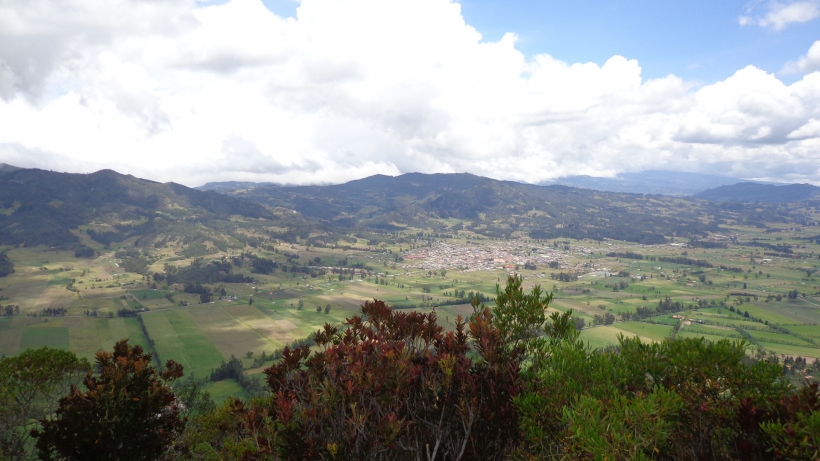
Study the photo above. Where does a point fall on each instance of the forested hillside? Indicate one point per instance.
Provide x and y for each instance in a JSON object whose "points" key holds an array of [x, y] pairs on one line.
{"points": [[501, 209], [766, 193], [40, 207]]}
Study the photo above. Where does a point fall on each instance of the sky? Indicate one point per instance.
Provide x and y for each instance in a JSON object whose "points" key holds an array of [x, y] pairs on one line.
{"points": [[326, 91]]}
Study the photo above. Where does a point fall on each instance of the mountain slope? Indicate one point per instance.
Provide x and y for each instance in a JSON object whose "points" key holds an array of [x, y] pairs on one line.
{"points": [[42, 207], [5, 168], [767, 193], [494, 208]]}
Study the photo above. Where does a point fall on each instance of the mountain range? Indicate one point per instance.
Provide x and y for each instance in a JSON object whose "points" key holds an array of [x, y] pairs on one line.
{"points": [[658, 182], [39, 207], [755, 192], [499, 209]]}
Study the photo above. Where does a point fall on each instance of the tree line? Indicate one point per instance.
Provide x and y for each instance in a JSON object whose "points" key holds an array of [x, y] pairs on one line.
{"points": [[6, 266]]}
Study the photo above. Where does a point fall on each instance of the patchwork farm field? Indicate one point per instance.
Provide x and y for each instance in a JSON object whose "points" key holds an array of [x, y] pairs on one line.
{"points": [[733, 291]]}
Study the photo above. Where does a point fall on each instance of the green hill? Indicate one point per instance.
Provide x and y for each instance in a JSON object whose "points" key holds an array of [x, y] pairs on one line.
{"points": [[767, 193], [499, 208], [6, 168], [40, 207]]}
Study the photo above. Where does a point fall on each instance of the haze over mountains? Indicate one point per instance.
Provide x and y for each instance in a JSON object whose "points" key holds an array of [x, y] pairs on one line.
{"points": [[650, 182], [755, 192]]}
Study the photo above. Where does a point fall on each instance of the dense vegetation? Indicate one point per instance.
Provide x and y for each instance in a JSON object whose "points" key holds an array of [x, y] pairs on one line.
{"points": [[500, 209], [201, 272], [45, 208], [507, 383], [40, 207], [6, 266], [754, 192], [127, 412]]}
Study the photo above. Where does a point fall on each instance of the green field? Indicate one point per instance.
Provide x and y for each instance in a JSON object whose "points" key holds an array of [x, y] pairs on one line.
{"points": [[35, 338], [201, 336], [696, 334], [176, 336], [778, 338], [221, 390], [655, 332]]}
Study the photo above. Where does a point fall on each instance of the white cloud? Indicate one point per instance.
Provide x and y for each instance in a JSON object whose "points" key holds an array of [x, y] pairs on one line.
{"points": [[810, 62], [810, 130], [349, 88], [778, 15]]}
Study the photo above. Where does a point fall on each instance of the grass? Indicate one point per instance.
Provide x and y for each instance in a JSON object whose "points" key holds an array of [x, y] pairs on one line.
{"points": [[199, 351], [603, 336], [684, 333], [795, 310], [35, 338], [176, 336], [712, 331], [10, 342], [766, 314], [656, 332], [233, 336], [812, 331], [665, 319], [222, 390], [792, 350], [24, 290], [128, 328], [58, 280], [770, 337], [149, 295], [88, 335]]}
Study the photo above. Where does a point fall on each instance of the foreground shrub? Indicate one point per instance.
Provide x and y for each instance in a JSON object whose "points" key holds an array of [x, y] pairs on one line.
{"points": [[796, 435], [30, 386], [127, 412], [683, 399], [391, 385]]}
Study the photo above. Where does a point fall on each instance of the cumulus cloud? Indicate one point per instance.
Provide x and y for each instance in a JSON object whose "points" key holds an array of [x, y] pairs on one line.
{"points": [[41, 40], [810, 62], [779, 15], [192, 92]]}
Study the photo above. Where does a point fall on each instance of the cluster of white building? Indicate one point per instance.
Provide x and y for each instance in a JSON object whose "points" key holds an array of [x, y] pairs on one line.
{"points": [[487, 256]]}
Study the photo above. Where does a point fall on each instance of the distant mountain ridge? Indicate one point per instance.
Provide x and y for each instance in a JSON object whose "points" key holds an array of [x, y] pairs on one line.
{"points": [[661, 182], [650, 182], [493, 208], [6, 168], [755, 192], [42, 207]]}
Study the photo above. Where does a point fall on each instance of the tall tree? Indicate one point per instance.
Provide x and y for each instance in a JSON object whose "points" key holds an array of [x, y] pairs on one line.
{"points": [[128, 411], [30, 386], [6, 266]]}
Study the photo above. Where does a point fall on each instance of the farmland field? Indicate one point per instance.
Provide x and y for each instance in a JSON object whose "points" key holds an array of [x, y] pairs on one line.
{"points": [[612, 295], [177, 336], [647, 330], [34, 338], [221, 390]]}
